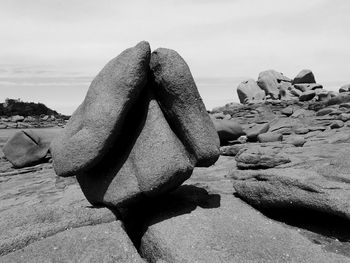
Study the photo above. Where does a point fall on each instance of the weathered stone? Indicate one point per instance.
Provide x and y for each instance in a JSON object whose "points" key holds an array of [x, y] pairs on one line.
{"points": [[307, 95], [154, 163], [297, 141], [287, 111], [252, 133], [228, 130], [260, 158], [230, 150], [344, 88], [296, 92], [269, 82], [324, 111], [249, 91], [302, 130], [306, 87], [294, 188], [98, 121], [270, 137], [182, 105], [344, 116], [304, 76], [81, 244], [28, 147], [337, 124], [17, 118]]}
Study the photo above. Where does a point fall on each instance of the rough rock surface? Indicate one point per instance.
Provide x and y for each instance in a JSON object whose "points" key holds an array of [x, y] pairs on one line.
{"points": [[201, 221], [213, 227], [249, 91], [182, 105], [97, 122], [28, 147], [81, 244], [269, 82], [269, 137], [260, 158], [156, 162], [255, 130], [228, 130]]}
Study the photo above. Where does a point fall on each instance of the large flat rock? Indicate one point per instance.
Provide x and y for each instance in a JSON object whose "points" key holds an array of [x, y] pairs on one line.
{"points": [[102, 243], [222, 228]]}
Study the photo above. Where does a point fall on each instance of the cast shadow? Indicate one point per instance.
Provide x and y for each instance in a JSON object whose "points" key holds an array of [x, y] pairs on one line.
{"points": [[149, 211]]}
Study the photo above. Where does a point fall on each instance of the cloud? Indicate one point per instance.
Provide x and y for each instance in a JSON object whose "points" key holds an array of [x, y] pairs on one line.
{"points": [[217, 38]]}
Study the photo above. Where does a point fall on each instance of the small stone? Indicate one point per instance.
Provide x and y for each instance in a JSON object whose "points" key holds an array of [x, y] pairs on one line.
{"points": [[307, 95], [297, 141], [270, 137], [337, 124], [252, 133]]}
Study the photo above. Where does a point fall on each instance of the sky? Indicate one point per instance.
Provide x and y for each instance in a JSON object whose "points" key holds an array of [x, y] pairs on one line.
{"points": [[51, 50]]}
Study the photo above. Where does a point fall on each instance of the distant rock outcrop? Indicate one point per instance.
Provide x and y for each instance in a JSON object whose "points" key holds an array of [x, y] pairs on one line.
{"points": [[276, 86], [304, 76], [140, 130], [250, 91]]}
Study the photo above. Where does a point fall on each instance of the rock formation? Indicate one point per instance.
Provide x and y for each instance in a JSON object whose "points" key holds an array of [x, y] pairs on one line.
{"points": [[28, 147], [140, 131], [276, 86]]}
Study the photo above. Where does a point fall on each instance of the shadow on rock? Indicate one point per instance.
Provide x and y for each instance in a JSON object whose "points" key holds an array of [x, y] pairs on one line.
{"points": [[150, 211], [330, 231]]}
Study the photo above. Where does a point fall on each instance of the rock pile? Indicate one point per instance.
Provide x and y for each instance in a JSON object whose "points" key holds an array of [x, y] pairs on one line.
{"points": [[140, 130], [273, 85], [21, 122]]}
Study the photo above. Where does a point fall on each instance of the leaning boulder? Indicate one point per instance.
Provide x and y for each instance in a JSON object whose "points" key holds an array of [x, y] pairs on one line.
{"points": [[304, 76], [97, 122], [249, 91], [182, 105], [27, 147]]}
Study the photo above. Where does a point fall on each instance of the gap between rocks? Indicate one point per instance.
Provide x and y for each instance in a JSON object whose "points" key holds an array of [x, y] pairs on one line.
{"points": [[330, 231]]}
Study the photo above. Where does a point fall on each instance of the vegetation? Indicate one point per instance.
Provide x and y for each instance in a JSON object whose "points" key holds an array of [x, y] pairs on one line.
{"points": [[13, 107]]}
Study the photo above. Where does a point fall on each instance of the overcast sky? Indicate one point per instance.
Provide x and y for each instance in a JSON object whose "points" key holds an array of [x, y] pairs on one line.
{"points": [[227, 39]]}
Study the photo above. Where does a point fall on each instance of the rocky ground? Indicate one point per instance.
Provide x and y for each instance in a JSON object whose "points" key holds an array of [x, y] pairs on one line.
{"points": [[281, 197], [21, 122]]}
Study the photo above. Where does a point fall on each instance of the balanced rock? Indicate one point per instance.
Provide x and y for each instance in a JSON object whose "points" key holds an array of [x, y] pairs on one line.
{"points": [[249, 91], [304, 76], [26, 147], [97, 122], [155, 129], [156, 162]]}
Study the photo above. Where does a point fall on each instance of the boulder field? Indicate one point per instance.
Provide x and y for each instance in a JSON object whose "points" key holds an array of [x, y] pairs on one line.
{"points": [[141, 179]]}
